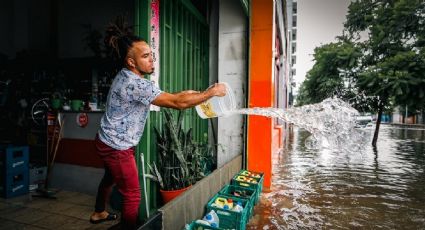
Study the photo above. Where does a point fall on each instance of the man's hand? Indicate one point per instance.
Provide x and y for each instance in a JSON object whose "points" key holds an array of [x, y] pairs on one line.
{"points": [[218, 89]]}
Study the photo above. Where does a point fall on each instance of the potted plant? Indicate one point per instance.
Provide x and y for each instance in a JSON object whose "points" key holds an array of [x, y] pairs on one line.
{"points": [[181, 161]]}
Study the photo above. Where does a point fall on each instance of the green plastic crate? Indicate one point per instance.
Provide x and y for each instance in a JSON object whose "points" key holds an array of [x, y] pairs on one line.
{"points": [[198, 226], [255, 183], [242, 192], [229, 219], [254, 174]]}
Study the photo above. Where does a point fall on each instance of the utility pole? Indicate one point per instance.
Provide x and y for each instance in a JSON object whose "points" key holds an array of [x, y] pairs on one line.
{"points": [[405, 117]]}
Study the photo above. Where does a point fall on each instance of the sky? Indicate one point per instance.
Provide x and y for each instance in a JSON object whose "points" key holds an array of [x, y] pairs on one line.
{"points": [[318, 23]]}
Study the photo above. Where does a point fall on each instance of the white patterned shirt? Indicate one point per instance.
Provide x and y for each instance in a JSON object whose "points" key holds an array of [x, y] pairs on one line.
{"points": [[127, 109]]}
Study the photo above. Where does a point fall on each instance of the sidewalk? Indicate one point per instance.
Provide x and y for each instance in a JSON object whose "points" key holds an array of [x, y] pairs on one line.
{"points": [[418, 126], [71, 210]]}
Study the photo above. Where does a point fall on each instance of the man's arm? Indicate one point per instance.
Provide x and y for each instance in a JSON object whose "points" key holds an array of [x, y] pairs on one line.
{"points": [[189, 98]]}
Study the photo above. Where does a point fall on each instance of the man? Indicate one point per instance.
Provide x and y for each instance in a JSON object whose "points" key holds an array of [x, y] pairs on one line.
{"points": [[122, 124]]}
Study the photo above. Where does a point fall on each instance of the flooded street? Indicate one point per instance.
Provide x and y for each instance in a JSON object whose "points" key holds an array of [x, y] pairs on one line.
{"points": [[370, 189]]}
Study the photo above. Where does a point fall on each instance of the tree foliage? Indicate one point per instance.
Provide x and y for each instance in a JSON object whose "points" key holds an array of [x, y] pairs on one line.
{"points": [[332, 73], [391, 34]]}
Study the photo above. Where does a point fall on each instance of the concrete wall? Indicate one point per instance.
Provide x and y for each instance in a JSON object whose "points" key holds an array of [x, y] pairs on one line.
{"points": [[232, 68], [191, 205]]}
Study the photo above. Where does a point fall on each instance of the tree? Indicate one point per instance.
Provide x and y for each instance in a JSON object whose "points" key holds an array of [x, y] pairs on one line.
{"points": [[332, 73], [391, 35]]}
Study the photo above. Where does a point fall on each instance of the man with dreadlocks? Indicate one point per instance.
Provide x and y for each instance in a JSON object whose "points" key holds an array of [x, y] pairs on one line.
{"points": [[127, 109]]}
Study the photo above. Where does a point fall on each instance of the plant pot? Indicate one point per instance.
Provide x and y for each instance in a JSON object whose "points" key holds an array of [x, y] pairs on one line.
{"points": [[167, 196]]}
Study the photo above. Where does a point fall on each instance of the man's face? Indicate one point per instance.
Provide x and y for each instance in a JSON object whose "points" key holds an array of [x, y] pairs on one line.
{"points": [[140, 58]]}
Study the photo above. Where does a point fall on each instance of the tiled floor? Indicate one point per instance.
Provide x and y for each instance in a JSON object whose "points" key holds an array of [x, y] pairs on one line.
{"points": [[71, 210]]}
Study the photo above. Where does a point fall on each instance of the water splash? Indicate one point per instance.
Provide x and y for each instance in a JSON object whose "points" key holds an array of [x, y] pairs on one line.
{"points": [[331, 123]]}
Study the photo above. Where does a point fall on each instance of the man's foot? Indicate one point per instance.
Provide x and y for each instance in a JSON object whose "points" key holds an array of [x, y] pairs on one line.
{"points": [[99, 217]]}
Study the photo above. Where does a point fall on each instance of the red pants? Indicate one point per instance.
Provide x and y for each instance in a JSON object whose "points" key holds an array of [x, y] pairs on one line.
{"points": [[120, 169]]}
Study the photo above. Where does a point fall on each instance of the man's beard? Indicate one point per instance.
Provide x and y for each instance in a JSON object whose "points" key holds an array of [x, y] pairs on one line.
{"points": [[144, 73], [151, 72]]}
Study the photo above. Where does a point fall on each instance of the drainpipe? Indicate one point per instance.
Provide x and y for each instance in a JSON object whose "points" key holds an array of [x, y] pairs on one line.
{"points": [[246, 89]]}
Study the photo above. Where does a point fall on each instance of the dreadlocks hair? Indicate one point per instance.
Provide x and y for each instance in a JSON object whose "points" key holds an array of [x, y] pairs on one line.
{"points": [[119, 38]]}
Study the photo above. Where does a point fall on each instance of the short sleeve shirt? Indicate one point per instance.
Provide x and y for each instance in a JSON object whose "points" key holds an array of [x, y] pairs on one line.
{"points": [[127, 109]]}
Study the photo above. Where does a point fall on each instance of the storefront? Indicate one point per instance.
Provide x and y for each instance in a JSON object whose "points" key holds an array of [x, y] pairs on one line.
{"points": [[59, 56], [58, 68]]}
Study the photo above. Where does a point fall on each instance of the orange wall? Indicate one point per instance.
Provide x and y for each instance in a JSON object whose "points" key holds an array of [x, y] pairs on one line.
{"points": [[260, 129]]}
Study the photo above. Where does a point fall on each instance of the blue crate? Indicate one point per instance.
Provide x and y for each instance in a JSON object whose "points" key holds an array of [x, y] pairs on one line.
{"points": [[14, 158], [15, 184]]}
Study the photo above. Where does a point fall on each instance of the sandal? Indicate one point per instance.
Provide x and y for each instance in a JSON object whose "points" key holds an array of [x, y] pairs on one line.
{"points": [[110, 217]]}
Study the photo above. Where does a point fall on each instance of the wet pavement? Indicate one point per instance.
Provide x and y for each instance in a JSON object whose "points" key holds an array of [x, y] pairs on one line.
{"points": [[71, 210]]}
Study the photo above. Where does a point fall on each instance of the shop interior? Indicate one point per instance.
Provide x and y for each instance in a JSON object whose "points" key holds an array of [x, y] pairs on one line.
{"points": [[52, 58]]}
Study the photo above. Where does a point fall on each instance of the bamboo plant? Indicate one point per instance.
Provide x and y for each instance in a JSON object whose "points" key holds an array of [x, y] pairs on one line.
{"points": [[181, 161]]}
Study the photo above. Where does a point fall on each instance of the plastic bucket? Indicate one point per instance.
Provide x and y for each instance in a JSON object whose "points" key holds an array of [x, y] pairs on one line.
{"points": [[217, 106]]}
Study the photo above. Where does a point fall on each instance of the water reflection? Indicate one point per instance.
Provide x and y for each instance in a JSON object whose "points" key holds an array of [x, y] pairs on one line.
{"points": [[373, 188]]}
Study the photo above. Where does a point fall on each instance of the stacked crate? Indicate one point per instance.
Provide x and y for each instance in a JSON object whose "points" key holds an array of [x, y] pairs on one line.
{"points": [[14, 171], [241, 192], [250, 179], [245, 187]]}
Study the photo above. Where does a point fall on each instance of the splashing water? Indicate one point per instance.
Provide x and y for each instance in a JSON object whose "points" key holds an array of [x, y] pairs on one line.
{"points": [[330, 122]]}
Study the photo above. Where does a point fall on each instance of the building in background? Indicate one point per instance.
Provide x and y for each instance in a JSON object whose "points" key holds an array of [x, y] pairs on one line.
{"points": [[291, 14]]}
